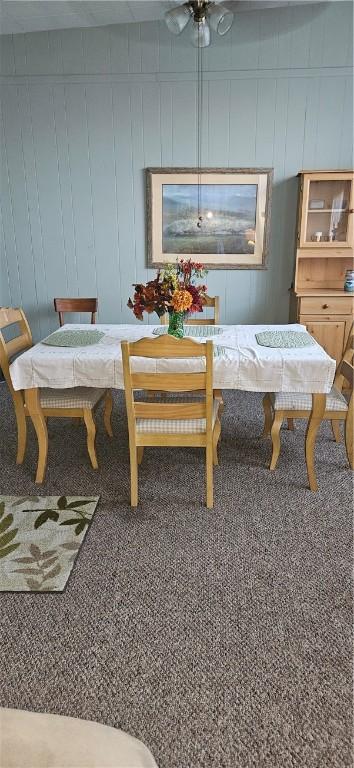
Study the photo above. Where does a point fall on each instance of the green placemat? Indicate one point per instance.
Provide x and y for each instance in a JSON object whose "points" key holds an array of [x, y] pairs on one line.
{"points": [[73, 338], [199, 331], [284, 339]]}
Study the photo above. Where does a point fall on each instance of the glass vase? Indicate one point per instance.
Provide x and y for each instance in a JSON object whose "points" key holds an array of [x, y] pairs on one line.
{"points": [[175, 324]]}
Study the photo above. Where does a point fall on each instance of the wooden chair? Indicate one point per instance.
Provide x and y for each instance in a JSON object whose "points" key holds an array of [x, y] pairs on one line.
{"points": [[76, 305], [210, 301], [284, 405], [78, 402], [183, 421]]}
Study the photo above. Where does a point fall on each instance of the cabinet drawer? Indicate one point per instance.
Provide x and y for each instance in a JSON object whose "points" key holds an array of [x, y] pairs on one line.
{"points": [[327, 305]]}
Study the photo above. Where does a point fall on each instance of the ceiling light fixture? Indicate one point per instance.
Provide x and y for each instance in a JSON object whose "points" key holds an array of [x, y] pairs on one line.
{"points": [[205, 14]]}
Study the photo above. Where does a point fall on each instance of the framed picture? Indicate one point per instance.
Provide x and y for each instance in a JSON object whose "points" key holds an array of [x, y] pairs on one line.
{"points": [[219, 216]]}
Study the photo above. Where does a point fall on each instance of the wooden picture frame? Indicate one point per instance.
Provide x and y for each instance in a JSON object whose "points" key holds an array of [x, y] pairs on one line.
{"points": [[235, 206]]}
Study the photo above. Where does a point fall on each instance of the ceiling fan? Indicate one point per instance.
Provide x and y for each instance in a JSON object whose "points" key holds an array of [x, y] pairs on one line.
{"points": [[206, 15]]}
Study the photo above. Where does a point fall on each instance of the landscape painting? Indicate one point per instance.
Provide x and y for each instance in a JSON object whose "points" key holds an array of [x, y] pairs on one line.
{"points": [[217, 216], [210, 218]]}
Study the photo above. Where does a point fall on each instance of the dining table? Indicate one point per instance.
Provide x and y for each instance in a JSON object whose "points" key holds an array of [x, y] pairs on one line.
{"points": [[240, 363]]}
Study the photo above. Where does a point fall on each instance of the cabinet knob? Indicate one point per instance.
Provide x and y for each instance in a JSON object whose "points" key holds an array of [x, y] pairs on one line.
{"points": [[324, 306]]}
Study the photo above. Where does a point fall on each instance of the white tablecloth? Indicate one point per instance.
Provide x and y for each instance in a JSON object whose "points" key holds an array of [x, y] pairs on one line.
{"points": [[242, 364]]}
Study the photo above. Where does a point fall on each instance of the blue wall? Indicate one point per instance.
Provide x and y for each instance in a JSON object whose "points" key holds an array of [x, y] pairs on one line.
{"points": [[84, 111]]}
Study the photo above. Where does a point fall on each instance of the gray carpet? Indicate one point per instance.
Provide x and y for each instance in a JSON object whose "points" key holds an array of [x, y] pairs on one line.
{"points": [[220, 638]]}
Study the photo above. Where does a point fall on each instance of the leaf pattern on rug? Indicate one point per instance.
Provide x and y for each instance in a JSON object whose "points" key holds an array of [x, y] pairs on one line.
{"points": [[50, 531], [7, 534], [22, 499], [82, 519], [72, 546], [47, 514], [43, 565], [52, 514]]}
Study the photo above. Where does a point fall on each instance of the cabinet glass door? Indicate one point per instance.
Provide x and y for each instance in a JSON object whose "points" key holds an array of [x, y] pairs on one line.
{"points": [[327, 212]]}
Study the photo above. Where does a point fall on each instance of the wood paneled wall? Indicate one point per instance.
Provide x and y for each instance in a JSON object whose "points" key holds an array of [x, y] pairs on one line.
{"points": [[85, 111]]}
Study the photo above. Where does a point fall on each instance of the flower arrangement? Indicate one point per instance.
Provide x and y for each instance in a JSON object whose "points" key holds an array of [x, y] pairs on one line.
{"points": [[174, 290]]}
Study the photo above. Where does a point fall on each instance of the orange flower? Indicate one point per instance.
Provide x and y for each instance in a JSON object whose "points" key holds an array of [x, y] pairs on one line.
{"points": [[181, 301]]}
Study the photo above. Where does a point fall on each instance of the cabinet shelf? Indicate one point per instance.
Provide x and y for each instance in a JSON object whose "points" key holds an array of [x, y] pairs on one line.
{"points": [[318, 254], [328, 210], [322, 292]]}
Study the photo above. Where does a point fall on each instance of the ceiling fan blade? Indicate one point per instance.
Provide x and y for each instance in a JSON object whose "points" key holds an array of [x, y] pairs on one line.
{"points": [[260, 5]]}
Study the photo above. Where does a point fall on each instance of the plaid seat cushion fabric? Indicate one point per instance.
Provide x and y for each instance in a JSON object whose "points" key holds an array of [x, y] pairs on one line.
{"points": [[298, 401], [76, 397], [176, 426]]}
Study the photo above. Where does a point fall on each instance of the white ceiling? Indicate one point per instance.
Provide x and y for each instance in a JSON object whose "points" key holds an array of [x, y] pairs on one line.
{"points": [[38, 15]]}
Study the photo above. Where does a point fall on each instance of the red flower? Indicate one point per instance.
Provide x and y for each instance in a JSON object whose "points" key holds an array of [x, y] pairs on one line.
{"points": [[156, 295], [197, 293]]}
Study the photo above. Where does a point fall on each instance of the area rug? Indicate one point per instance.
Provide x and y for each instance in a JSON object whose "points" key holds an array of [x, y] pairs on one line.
{"points": [[40, 538]]}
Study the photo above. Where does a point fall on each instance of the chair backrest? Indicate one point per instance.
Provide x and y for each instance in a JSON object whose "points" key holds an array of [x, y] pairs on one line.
{"points": [[348, 356], [210, 301], [170, 348], [8, 349], [76, 305]]}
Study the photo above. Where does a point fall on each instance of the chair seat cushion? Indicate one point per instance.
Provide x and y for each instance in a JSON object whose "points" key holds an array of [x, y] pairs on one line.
{"points": [[176, 426], [76, 397], [299, 401]]}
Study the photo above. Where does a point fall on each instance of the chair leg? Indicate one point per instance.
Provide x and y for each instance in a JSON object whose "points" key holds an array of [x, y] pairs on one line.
{"points": [[42, 435], [313, 425], [290, 424], [349, 441], [209, 476], [216, 436], [108, 406], [133, 475], [267, 408], [91, 435], [335, 430], [39, 422], [218, 396], [21, 432], [140, 453], [275, 435]]}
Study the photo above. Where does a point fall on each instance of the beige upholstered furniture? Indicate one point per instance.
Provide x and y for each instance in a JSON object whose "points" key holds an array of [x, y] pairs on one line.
{"points": [[77, 402], [36, 740], [210, 301], [297, 405], [180, 422], [76, 305]]}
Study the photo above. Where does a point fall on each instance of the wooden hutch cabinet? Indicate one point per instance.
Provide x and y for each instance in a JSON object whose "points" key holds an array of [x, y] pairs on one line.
{"points": [[324, 251]]}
